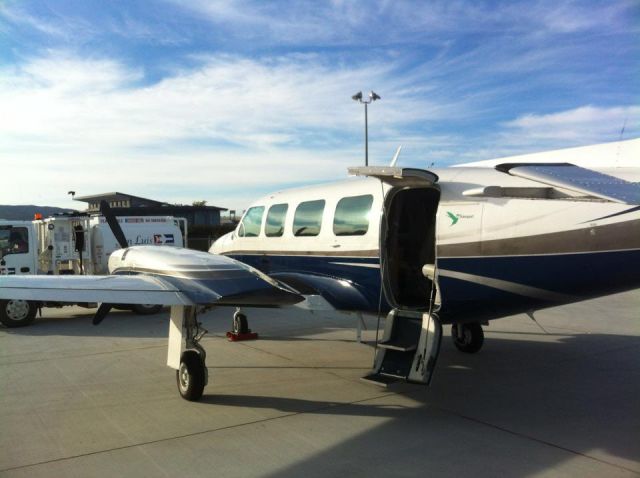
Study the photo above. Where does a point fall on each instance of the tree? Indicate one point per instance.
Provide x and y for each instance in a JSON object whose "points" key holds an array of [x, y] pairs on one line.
{"points": [[199, 203]]}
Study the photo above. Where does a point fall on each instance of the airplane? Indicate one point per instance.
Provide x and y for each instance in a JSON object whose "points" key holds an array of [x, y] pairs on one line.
{"points": [[461, 245]]}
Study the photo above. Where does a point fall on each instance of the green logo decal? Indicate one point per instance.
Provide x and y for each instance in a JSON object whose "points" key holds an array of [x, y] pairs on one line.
{"points": [[453, 218]]}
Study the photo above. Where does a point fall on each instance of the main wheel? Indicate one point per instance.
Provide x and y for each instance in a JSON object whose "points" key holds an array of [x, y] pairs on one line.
{"points": [[240, 323], [146, 309], [467, 338], [17, 313], [191, 376]]}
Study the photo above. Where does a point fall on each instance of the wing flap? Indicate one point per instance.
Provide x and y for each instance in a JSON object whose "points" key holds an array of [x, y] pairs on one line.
{"points": [[577, 179], [129, 289]]}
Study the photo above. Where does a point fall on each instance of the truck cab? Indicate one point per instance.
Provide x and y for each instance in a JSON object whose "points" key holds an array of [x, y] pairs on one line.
{"points": [[18, 246]]}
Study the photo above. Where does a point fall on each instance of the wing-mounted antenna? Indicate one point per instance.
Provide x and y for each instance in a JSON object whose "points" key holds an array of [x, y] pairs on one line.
{"points": [[111, 219], [395, 156]]}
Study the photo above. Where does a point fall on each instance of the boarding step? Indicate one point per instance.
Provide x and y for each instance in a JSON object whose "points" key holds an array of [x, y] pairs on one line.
{"points": [[408, 348], [399, 346], [381, 380]]}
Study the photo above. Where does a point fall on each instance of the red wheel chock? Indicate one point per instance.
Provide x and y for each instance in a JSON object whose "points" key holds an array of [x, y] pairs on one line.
{"points": [[239, 337]]}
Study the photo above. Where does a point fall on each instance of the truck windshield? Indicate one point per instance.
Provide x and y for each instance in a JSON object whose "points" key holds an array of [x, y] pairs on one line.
{"points": [[14, 240]]}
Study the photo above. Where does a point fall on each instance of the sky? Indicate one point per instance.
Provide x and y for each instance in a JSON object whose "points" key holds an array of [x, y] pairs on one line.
{"points": [[226, 101]]}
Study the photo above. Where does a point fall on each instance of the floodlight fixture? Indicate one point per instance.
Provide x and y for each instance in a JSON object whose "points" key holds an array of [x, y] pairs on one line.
{"points": [[372, 97]]}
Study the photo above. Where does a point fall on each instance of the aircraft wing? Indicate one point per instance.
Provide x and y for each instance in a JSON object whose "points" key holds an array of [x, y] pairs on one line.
{"points": [[123, 289], [575, 178]]}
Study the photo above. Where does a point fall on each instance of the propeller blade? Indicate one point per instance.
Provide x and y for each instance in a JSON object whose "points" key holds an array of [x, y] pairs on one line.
{"points": [[102, 312], [105, 210]]}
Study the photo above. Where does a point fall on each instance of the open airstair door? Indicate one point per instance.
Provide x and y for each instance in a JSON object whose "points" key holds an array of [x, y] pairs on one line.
{"points": [[411, 341]]}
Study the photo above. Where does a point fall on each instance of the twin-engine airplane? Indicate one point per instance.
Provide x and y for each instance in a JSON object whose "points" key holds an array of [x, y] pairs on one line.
{"points": [[460, 246]]}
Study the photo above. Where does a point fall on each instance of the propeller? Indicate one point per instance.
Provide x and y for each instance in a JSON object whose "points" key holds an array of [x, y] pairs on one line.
{"points": [[102, 312], [110, 217], [106, 211]]}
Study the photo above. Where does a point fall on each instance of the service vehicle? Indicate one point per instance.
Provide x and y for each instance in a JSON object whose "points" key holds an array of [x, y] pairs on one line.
{"points": [[74, 244]]}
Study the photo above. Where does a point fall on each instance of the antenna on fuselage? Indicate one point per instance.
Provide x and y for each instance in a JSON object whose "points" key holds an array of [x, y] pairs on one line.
{"points": [[395, 157]]}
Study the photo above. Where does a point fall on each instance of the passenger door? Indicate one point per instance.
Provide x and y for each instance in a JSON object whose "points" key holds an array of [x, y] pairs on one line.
{"points": [[411, 341]]}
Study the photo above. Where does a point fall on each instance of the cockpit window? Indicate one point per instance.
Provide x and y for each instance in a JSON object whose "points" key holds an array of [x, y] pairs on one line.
{"points": [[308, 218], [251, 222], [274, 226], [14, 240], [352, 216]]}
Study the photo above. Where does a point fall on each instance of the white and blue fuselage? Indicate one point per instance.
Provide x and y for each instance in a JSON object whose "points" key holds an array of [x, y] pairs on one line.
{"points": [[499, 244]]}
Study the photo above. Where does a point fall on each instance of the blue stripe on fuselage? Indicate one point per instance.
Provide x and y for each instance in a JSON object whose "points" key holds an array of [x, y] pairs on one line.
{"points": [[581, 275]]}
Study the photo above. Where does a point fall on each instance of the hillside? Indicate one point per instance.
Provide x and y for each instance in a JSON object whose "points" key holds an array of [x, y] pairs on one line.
{"points": [[27, 212]]}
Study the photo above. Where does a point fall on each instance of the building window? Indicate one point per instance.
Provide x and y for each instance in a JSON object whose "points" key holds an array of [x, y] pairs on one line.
{"points": [[251, 222], [274, 226], [352, 216], [308, 218]]}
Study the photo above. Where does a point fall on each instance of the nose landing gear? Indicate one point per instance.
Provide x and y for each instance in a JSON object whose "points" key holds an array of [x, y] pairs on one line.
{"points": [[240, 328]]}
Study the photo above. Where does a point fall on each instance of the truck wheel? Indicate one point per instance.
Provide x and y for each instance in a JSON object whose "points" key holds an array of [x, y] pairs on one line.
{"points": [[17, 313], [191, 376], [146, 309]]}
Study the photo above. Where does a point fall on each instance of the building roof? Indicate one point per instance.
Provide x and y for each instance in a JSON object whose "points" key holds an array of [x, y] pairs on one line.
{"points": [[115, 196], [118, 196]]}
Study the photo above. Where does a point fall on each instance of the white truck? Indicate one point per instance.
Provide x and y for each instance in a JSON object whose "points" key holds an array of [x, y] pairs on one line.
{"points": [[74, 244]]}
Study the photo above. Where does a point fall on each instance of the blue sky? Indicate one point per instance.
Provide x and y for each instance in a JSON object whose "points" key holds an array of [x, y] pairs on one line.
{"points": [[227, 100]]}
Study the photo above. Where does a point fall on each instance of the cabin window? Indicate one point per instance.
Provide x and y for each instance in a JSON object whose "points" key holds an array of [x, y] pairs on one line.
{"points": [[308, 218], [251, 222], [352, 216], [274, 226]]}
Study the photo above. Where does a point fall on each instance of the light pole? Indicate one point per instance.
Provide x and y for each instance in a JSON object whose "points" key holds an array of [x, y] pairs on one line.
{"points": [[372, 97]]}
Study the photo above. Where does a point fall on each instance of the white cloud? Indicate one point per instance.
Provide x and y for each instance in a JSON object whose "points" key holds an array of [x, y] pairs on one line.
{"points": [[94, 122], [586, 123], [359, 22]]}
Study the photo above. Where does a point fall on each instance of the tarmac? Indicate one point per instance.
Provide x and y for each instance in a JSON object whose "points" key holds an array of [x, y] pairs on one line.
{"points": [[559, 397]]}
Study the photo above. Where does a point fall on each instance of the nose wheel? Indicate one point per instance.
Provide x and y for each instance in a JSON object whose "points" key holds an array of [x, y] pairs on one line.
{"points": [[240, 324], [467, 338], [240, 328]]}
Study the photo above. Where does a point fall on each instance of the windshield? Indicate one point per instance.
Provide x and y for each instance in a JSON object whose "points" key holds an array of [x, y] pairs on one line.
{"points": [[14, 240]]}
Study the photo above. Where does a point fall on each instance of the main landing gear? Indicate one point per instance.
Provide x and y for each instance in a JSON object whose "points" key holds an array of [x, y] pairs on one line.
{"points": [[467, 337], [192, 374]]}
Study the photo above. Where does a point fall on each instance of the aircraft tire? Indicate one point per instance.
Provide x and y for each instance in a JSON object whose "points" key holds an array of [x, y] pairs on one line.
{"points": [[17, 313], [472, 337], [240, 323], [190, 377], [146, 309]]}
